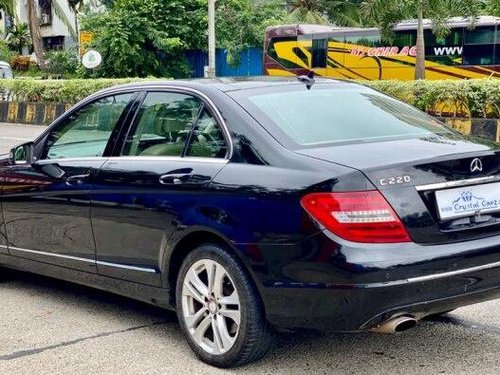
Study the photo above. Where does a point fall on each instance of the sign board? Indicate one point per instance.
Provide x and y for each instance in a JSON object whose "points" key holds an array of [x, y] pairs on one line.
{"points": [[91, 59], [85, 39]]}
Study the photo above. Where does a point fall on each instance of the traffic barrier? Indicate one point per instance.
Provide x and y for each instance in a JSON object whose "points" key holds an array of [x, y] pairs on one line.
{"points": [[31, 113]]}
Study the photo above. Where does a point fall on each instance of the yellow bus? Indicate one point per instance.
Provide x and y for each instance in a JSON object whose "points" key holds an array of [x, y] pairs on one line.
{"points": [[357, 53]]}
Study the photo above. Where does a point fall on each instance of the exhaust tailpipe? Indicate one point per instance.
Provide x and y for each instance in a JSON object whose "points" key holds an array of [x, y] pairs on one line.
{"points": [[394, 325]]}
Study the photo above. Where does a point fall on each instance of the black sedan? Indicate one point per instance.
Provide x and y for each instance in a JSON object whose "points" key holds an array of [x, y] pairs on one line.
{"points": [[254, 205]]}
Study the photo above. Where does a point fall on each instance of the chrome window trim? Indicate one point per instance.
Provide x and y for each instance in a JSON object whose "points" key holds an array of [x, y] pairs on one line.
{"points": [[170, 158], [83, 158], [458, 183], [211, 104], [134, 90], [79, 259]]}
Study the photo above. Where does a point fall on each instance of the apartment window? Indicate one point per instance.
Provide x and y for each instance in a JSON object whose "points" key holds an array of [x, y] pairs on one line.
{"points": [[45, 12]]}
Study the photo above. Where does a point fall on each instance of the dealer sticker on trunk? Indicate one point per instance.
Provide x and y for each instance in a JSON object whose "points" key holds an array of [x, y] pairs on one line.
{"points": [[468, 201]]}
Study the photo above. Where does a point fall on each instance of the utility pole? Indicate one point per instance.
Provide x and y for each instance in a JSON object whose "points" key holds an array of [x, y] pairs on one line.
{"points": [[211, 39]]}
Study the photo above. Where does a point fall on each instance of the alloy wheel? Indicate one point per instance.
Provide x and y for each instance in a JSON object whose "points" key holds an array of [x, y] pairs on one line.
{"points": [[211, 306]]}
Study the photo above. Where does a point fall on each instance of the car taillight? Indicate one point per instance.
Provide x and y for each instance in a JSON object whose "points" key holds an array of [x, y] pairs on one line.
{"points": [[360, 216]]}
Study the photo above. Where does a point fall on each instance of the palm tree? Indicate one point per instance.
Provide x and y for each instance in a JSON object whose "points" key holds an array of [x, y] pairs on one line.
{"points": [[19, 36], [493, 8], [7, 6], [34, 22], [307, 11], [36, 39], [386, 13], [345, 12]]}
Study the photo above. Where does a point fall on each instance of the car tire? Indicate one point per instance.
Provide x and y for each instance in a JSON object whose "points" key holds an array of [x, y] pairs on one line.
{"points": [[224, 329]]}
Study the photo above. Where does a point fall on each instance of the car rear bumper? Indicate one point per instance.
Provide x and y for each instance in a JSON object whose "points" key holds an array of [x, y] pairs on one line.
{"points": [[354, 296]]}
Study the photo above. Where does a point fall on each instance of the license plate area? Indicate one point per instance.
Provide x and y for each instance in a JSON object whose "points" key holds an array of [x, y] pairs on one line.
{"points": [[468, 201]]}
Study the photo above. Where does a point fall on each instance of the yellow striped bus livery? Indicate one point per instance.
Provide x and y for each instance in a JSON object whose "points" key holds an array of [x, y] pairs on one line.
{"points": [[356, 53]]}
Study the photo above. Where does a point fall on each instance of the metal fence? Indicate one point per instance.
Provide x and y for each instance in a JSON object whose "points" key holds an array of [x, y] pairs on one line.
{"points": [[250, 63]]}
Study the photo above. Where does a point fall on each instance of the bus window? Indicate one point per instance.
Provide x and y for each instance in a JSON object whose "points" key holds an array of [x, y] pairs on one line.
{"points": [[479, 47], [405, 38], [335, 55], [447, 50], [480, 35], [364, 39], [319, 53]]}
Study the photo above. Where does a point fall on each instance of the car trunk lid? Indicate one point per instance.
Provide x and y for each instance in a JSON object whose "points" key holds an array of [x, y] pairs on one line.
{"points": [[412, 173]]}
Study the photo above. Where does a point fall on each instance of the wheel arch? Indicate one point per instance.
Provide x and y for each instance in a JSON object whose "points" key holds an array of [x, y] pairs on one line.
{"points": [[181, 246]]}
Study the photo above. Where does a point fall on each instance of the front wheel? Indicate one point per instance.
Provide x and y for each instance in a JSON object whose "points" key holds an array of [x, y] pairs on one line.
{"points": [[219, 309]]}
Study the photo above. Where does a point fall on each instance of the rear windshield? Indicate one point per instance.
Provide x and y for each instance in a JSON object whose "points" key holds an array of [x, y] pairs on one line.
{"points": [[337, 115]]}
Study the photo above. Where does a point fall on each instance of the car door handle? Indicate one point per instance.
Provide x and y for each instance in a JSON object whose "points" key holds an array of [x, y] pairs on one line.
{"points": [[175, 178], [77, 179]]}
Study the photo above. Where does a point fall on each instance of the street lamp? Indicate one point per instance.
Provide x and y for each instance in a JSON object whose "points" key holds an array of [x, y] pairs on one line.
{"points": [[211, 39]]}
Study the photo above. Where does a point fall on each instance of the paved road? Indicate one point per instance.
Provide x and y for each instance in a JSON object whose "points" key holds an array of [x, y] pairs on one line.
{"points": [[11, 135], [53, 327]]}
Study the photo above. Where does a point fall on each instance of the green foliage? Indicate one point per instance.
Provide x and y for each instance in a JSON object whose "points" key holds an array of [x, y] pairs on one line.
{"points": [[474, 98], [386, 13], [307, 11], [18, 37], [493, 8], [242, 24], [62, 63], [5, 52], [145, 37], [8, 6], [57, 91]]}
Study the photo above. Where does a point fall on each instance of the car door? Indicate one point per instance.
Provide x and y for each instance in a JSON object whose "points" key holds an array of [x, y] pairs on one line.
{"points": [[174, 148], [46, 204]]}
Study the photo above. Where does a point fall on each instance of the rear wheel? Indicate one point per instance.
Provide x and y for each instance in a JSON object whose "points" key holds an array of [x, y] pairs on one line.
{"points": [[219, 309]]}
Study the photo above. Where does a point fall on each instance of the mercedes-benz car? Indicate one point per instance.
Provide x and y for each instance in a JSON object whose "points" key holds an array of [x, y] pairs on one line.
{"points": [[256, 205]]}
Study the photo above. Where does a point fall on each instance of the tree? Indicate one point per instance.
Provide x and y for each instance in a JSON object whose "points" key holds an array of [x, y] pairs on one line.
{"points": [[34, 26], [146, 37], [493, 8], [344, 12], [386, 13], [242, 24], [307, 11], [7, 6], [18, 37]]}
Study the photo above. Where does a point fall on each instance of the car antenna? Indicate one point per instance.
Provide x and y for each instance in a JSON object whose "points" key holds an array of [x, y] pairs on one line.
{"points": [[307, 79]]}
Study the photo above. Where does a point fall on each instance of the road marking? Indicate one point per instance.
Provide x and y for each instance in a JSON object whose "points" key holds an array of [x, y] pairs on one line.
{"points": [[15, 139]]}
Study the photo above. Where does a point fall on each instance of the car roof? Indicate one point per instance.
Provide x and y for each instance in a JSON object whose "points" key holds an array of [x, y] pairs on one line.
{"points": [[227, 84]]}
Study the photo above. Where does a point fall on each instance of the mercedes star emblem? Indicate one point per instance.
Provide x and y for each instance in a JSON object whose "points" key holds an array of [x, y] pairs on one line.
{"points": [[476, 165]]}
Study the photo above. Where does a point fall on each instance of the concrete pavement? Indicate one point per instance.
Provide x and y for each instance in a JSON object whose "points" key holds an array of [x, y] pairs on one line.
{"points": [[53, 327], [13, 134]]}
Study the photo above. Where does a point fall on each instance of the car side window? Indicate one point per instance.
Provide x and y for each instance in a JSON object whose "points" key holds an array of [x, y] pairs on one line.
{"points": [[207, 139], [163, 124], [86, 132]]}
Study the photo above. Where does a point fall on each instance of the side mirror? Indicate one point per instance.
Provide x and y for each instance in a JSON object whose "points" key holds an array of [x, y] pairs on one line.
{"points": [[22, 154]]}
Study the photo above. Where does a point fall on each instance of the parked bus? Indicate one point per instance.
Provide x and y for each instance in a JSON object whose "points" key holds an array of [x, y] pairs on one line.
{"points": [[362, 53]]}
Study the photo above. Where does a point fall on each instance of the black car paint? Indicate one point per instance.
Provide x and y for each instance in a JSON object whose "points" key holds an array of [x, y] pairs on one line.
{"points": [[250, 202]]}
